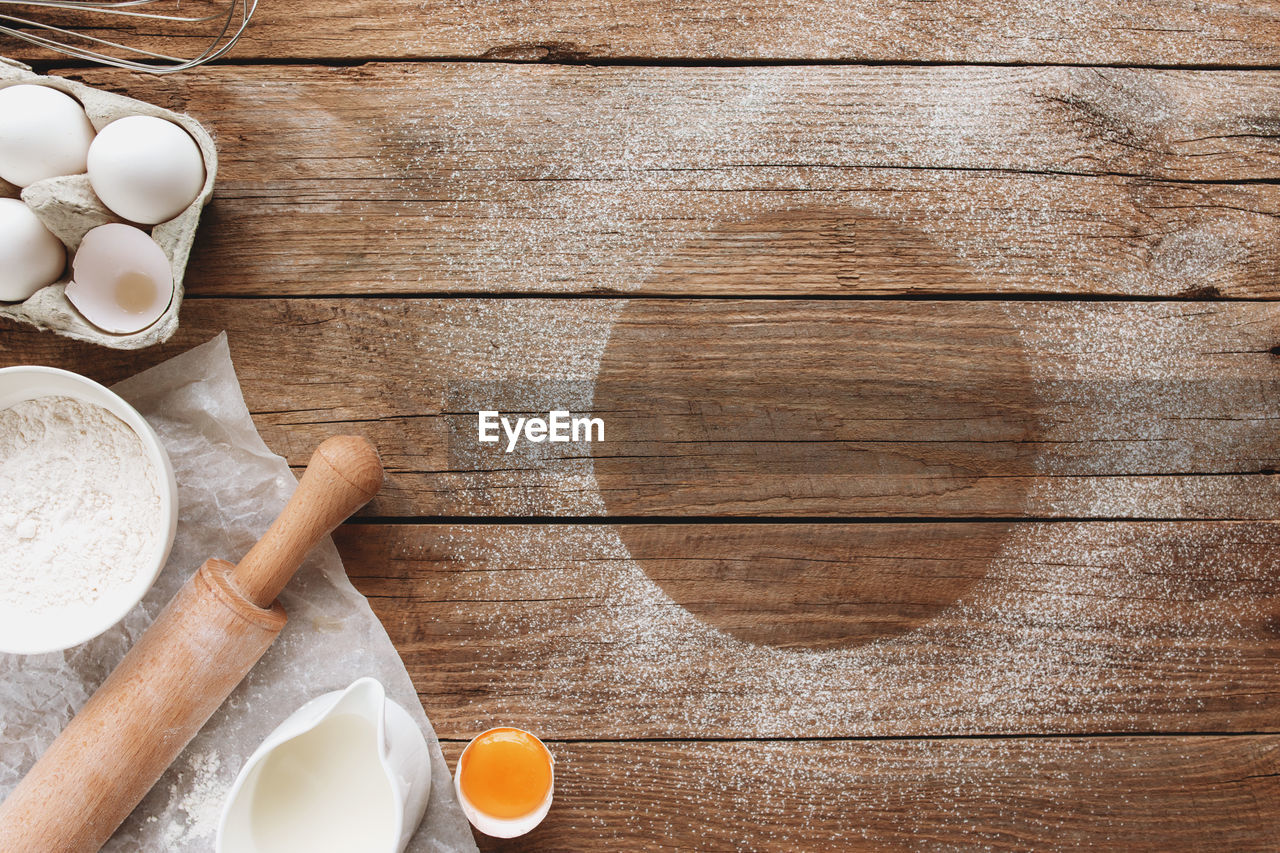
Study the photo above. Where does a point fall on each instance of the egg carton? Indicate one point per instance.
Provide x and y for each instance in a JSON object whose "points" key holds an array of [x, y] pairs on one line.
{"points": [[68, 207]]}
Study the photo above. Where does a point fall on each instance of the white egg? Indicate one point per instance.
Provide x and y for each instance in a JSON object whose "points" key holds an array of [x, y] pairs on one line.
{"points": [[121, 280], [43, 133], [145, 169], [30, 256]]}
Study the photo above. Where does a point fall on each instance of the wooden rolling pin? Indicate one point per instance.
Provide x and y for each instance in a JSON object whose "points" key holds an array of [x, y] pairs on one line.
{"points": [[183, 668]]}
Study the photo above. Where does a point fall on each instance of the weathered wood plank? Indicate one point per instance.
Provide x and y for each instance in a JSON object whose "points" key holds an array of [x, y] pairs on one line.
{"points": [[1159, 32], [1140, 794], [750, 408], [824, 180], [785, 630]]}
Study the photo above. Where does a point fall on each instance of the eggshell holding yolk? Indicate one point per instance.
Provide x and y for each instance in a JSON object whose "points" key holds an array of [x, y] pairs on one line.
{"points": [[145, 169], [44, 133], [120, 279], [505, 782], [506, 774], [30, 256]]}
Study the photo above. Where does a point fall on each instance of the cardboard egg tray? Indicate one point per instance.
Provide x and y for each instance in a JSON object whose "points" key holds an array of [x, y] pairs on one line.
{"points": [[69, 208]]}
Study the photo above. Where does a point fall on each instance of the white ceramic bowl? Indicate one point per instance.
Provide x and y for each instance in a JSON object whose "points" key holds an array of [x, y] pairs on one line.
{"points": [[54, 630]]}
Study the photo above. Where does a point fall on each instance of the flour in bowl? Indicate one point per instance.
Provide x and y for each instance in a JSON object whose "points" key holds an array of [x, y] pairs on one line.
{"points": [[80, 510]]}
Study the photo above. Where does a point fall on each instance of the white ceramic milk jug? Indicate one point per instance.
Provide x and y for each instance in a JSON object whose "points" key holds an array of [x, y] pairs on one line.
{"points": [[348, 771]]}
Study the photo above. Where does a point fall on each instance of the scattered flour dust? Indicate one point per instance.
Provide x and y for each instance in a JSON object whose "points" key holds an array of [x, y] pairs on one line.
{"points": [[1020, 31], [541, 179], [563, 349], [1070, 626], [1069, 629], [1178, 382], [873, 794], [592, 199], [79, 503], [194, 801]]}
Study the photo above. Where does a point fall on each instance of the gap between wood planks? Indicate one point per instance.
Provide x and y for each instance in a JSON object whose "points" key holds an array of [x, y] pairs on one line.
{"points": [[609, 520], [979, 736], [763, 297], [60, 64], [656, 31]]}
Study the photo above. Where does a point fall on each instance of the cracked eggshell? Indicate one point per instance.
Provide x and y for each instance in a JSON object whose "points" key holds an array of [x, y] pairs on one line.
{"points": [[69, 208], [120, 279], [510, 826]]}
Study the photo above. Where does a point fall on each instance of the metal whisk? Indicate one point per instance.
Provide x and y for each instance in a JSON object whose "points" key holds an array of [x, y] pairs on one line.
{"points": [[222, 28]]}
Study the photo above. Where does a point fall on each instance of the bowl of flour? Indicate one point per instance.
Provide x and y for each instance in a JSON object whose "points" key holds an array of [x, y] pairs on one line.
{"points": [[88, 509]]}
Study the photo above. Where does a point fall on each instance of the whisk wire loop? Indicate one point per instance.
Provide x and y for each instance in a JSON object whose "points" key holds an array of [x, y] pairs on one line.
{"points": [[227, 28]]}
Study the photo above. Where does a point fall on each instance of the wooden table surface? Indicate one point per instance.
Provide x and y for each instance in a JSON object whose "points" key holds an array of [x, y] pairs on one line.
{"points": [[938, 347]]}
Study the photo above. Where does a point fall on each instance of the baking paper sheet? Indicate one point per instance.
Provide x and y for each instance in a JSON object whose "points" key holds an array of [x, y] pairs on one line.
{"points": [[230, 488]]}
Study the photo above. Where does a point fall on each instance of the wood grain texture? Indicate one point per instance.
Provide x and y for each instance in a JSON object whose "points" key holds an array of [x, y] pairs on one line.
{"points": [[679, 630], [780, 408], [1155, 32], [1139, 794], [614, 639], [817, 180]]}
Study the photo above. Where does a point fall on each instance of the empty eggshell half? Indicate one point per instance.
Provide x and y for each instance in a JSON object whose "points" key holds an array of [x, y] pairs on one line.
{"points": [[121, 281], [44, 133], [145, 169], [30, 256]]}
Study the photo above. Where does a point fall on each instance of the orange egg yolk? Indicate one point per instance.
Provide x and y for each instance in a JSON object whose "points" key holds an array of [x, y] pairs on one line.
{"points": [[506, 773]]}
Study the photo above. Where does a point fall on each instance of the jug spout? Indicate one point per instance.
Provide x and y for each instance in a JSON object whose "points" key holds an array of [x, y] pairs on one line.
{"points": [[366, 698]]}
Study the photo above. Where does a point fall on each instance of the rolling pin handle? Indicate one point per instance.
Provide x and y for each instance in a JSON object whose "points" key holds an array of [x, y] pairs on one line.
{"points": [[343, 475]]}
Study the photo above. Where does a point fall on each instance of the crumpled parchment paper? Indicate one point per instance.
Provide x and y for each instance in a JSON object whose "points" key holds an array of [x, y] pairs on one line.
{"points": [[230, 488]]}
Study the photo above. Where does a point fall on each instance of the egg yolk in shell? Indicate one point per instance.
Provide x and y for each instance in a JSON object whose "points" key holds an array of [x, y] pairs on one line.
{"points": [[506, 773]]}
